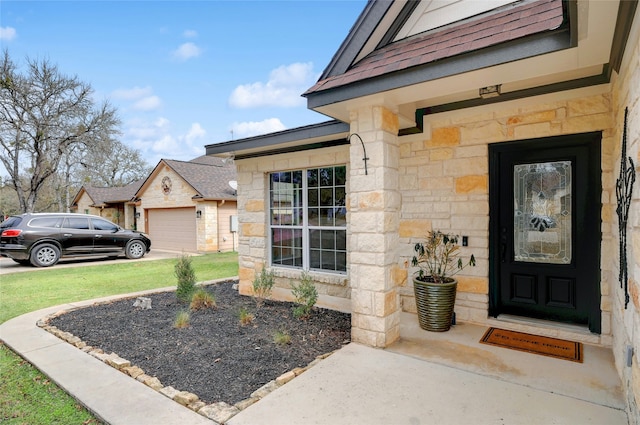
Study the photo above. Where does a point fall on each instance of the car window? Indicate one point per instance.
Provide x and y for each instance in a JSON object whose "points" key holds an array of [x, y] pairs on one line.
{"points": [[12, 221], [99, 224], [76, 223], [46, 222]]}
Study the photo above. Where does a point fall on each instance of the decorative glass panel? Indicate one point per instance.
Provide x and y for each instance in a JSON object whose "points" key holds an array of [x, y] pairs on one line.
{"points": [[542, 206]]}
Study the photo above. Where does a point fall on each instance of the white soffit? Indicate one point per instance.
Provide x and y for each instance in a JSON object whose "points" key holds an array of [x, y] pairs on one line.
{"points": [[430, 14]]}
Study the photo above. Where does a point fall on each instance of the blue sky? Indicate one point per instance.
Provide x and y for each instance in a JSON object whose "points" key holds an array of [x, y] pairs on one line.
{"points": [[184, 74]]}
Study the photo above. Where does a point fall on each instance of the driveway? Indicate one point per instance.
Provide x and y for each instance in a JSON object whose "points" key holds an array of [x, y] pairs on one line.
{"points": [[9, 266]]}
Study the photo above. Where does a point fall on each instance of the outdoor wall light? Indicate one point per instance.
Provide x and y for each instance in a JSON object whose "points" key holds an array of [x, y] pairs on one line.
{"points": [[198, 214], [228, 160], [490, 91], [137, 215]]}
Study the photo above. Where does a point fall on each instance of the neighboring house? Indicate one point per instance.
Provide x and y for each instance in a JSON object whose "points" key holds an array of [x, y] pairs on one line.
{"points": [[189, 206], [117, 204], [501, 124]]}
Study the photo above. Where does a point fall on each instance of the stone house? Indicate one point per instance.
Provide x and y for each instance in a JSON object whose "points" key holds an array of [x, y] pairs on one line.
{"points": [[182, 205], [500, 121], [189, 205], [117, 204]]}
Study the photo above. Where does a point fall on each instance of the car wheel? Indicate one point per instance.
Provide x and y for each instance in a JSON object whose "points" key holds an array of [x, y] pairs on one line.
{"points": [[135, 250], [45, 255]]}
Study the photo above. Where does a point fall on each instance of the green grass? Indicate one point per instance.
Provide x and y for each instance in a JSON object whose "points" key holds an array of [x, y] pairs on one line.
{"points": [[28, 291], [26, 395]]}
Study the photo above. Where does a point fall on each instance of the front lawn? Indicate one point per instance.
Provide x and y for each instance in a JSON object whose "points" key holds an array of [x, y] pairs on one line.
{"points": [[27, 396]]}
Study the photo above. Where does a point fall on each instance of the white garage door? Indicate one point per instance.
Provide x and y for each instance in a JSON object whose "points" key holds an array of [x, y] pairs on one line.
{"points": [[173, 229]]}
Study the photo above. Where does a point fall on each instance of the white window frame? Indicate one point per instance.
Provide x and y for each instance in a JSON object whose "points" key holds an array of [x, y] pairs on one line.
{"points": [[304, 226]]}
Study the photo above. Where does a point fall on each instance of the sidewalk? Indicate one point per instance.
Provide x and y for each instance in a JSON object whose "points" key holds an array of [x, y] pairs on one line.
{"points": [[356, 385]]}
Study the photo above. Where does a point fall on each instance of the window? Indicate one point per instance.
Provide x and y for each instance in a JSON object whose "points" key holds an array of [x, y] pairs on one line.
{"points": [[99, 224], [76, 223], [46, 222], [308, 219]]}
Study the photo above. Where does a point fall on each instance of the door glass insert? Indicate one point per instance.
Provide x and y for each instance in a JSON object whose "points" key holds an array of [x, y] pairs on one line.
{"points": [[542, 212]]}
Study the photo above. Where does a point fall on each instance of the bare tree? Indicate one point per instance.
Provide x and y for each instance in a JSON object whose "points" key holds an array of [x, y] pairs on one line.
{"points": [[110, 163], [43, 113]]}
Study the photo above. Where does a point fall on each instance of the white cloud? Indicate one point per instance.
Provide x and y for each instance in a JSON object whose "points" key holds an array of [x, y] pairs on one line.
{"points": [[7, 33], [187, 51], [283, 89], [254, 128], [155, 140], [132, 93], [189, 34], [148, 103], [195, 132], [142, 98]]}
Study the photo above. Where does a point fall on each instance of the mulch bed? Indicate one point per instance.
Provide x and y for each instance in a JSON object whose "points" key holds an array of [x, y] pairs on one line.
{"points": [[215, 357]]}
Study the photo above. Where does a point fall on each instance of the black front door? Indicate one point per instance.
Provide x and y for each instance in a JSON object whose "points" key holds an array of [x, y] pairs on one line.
{"points": [[545, 229]]}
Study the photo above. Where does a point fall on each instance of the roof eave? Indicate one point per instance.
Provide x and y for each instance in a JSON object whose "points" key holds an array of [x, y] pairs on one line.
{"points": [[267, 142], [491, 56]]}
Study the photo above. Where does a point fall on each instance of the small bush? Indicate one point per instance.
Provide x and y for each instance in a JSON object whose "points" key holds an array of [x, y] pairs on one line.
{"points": [[282, 338], [246, 318], [202, 299], [262, 286], [182, 320], [186, 278], [306, 295]]}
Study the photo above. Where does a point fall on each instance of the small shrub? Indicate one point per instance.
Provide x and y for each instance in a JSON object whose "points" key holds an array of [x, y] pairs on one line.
{"points": [[306, 295], [246, 318], [262, 286], [182, 320], [202, 299], [282, 338], [186, 278]]}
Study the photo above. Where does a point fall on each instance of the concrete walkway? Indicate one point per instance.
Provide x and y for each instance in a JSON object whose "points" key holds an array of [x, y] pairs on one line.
{"points": [[356, 385]]}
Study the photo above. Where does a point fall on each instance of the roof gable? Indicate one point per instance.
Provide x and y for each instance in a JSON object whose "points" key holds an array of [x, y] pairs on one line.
{"points": [[208, 176], [101, 196], [489, 29]]}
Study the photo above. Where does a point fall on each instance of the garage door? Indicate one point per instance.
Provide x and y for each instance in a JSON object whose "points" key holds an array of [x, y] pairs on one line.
{"points": [[173, 229]]}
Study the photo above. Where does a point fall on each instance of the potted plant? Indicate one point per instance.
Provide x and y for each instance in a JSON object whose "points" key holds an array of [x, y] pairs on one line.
{"points": [[437, 259]]}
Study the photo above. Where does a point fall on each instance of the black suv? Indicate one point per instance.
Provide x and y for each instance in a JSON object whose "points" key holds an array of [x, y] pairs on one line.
{"points": [[41, 239]]}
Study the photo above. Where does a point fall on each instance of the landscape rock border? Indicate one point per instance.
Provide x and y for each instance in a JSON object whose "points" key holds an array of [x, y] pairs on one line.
{"points": [[218, 412]]}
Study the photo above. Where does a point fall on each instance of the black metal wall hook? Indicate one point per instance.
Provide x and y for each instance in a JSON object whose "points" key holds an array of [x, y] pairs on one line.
{"points": [[365, 158], [624, 191]]}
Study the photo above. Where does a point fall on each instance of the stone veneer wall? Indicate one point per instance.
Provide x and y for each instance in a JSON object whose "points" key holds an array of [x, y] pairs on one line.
{"points": [[253, 182], [443, 181], [153, 197], [626, 322], [181, 195], [444, 176]]}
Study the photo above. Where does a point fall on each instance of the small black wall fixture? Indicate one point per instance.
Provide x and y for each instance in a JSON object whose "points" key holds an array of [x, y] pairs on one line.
{"points": [[366, 158], [624, 190]]}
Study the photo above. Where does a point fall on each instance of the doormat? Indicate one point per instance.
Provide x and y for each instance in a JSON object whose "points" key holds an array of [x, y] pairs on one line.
{"points": [[543, 345]]}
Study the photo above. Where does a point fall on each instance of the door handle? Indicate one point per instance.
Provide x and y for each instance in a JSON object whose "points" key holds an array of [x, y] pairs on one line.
{"points": [[97, 236], [67, 235]]}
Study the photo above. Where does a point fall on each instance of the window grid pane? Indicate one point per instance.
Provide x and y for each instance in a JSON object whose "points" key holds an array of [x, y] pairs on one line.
{"points": [[324, 229]]}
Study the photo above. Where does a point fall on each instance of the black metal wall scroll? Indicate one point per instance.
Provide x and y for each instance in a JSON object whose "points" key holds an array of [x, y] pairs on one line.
{"points": [[624, 190]]}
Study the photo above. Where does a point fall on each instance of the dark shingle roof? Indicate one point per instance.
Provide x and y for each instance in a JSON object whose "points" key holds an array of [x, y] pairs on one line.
{"points": [[208, 175], [489, 30], [110, 195]]}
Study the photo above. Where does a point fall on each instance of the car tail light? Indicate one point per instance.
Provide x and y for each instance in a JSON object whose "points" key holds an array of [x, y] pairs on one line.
{"points": [[11, 233]]}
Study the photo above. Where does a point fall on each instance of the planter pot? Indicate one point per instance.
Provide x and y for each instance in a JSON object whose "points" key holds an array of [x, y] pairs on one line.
{"points": [[435, 303]]}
